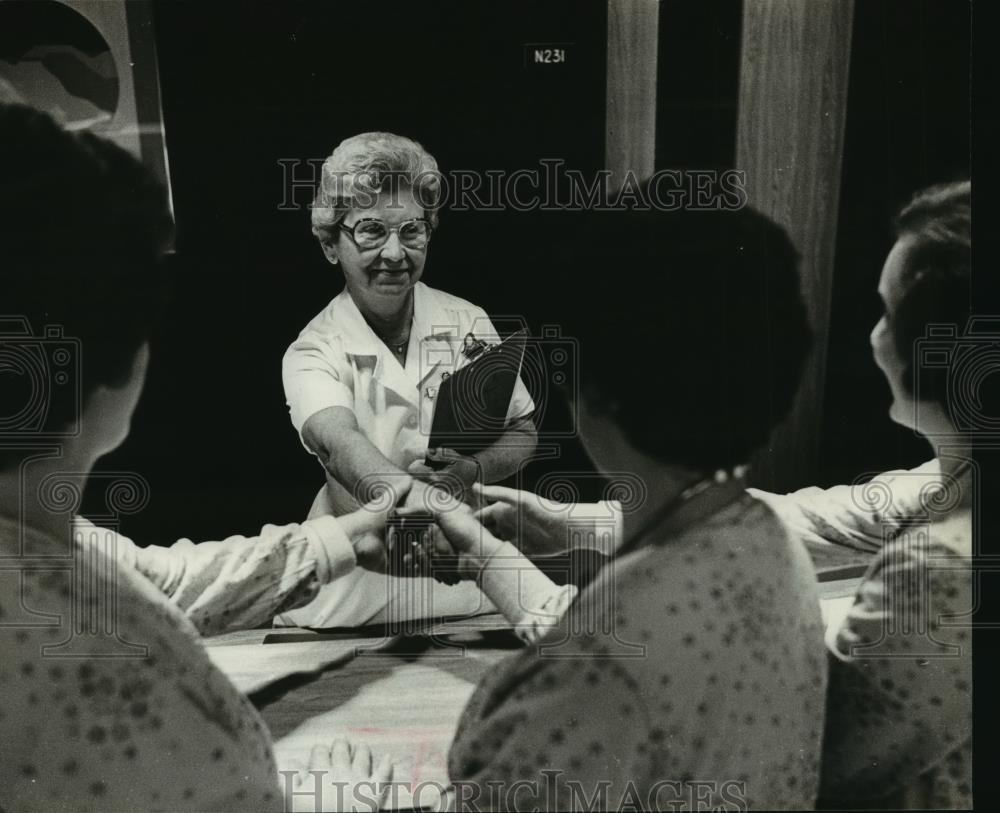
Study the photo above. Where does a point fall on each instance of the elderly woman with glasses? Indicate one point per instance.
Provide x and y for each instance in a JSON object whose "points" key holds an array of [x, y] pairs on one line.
{"points": [[362, 377]]}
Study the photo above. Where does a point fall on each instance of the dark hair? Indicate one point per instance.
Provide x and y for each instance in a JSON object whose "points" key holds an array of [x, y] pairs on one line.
{"points": [[936, 279], [83, 227], [692, 330]]}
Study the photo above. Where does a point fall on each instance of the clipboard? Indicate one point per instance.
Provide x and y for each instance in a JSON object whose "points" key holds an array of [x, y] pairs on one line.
{"points": [[470, 412]]}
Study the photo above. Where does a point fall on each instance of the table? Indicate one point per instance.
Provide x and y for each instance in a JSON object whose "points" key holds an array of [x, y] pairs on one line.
{"points": [[401, 694]]}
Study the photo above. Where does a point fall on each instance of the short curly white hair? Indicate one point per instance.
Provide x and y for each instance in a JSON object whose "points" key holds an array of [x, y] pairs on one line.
{"points": [[363, 165]]}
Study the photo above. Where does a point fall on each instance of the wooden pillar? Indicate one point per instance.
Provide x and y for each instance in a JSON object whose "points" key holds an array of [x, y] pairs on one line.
{"points": [[790, 132], [630, 131]]}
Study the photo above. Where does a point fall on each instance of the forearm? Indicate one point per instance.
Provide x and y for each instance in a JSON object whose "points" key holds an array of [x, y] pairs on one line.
{"points": [[361, 469], [508, 453], [350, 457], [241, 582], [528, 599], [860, 517]]}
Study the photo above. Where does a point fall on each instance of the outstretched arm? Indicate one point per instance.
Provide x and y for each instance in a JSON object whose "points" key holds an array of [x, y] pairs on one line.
{"points": [[244, 582]]}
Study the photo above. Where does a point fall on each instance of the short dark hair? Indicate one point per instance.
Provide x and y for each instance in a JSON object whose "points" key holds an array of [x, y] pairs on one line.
{"points": [[691, 329], [937, 276], [83, 228]]}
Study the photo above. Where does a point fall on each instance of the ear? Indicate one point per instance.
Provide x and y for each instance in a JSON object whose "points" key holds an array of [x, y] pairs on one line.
{"points": [[329, 248]]}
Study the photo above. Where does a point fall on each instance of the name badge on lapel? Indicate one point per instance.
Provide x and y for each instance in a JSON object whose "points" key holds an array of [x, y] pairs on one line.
{"points": [[473, 348]]}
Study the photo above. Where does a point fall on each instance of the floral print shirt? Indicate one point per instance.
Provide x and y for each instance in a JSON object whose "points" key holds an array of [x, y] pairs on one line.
{"points": [[109, 700], [691, 672]]}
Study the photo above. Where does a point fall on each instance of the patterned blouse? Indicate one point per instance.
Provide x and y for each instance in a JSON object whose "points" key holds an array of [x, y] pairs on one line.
{"points": [[899, 715], [109, 700], [691, 672]]}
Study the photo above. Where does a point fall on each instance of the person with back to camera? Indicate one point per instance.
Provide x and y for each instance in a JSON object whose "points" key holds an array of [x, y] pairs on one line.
{"points": [[362, 377], [898, 724], [82, 229], [691, 672]]}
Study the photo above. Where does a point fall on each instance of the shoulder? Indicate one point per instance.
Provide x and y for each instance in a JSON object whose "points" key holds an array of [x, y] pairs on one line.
{"points": [[442, 299], [747, 534], [932, 558], [919, 584], [724, 585], [332, 320], [328, 334], [146, 687]]}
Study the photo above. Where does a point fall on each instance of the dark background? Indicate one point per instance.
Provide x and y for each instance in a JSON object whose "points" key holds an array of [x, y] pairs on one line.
{"points": [[908, 126], [246, 84]]}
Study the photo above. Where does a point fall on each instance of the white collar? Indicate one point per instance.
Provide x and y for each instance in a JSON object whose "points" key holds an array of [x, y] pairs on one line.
{"points": [[422, 359]]}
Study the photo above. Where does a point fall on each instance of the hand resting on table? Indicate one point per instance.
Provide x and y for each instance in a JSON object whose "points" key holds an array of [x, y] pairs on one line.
{"points": [[339, 777]]}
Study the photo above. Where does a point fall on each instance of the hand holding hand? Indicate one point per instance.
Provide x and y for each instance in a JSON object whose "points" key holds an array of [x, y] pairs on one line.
{"points": [[461, 533], [365, 527], [536, 525], [457, 473]]}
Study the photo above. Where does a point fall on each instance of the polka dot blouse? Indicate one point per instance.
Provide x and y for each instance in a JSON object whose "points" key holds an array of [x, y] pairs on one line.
{"points": [[132, 718], [899, 717], [689, 673], [899, 720]]}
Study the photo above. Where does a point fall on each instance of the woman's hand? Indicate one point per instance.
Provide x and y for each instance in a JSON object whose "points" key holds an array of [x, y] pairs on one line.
{"points": [[341, 776], [457, 475], [458, 531], [538, 526], [365, 527], [411, 552]]}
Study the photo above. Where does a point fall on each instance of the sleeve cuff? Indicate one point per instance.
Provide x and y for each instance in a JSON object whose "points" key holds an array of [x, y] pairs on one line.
{"points": [[512, 582], [614, 508], [335, 555]]}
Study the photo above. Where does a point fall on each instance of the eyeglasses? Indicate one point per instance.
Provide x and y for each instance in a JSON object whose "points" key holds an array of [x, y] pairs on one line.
{"points": [[369, 233]]}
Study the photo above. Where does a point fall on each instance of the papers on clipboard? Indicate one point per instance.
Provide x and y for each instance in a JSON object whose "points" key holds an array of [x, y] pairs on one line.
{"points": [[472, 403]]}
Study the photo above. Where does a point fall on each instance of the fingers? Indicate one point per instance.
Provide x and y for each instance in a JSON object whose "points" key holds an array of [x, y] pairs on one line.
{"points": [[319, 757], [492, 514], [382, 776], [371, 552], [384, 770], [301, 771], [419, 469], [341, 758], [319, 760], [443, 455], [503, 494], [402, 490], [371, 517], [362, 762], [368, 518], [438, 542], [345, 758], [464, 533], [411, 511]]}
